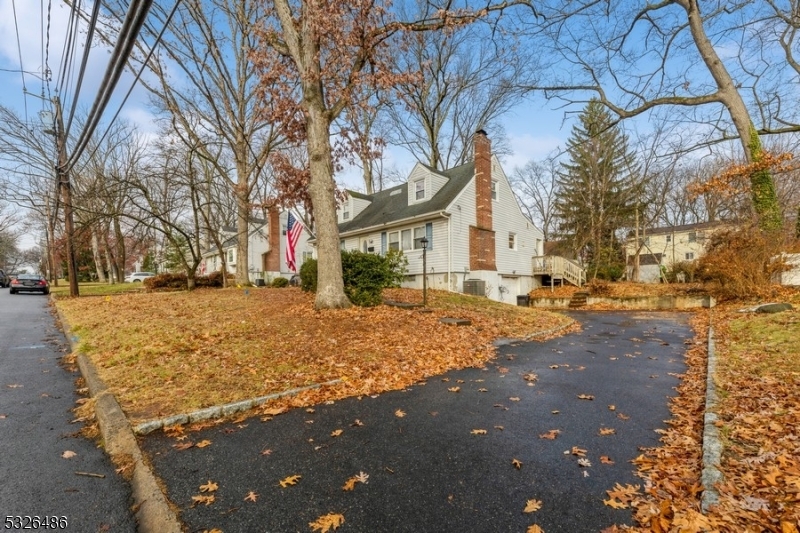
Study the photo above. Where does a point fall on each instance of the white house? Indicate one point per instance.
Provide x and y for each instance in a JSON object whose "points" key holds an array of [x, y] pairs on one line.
{"points": [[478, 239], [662, 247], [266, 249]]}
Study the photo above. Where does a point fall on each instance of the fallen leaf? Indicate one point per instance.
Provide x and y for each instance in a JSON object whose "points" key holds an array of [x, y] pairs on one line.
{"points": [[181, 446], [310, 411], [499, 428], [274, 411], [336, 432], [554, 367], [606, 460], [580, 452], [251, 497], [607, 431], [585, 396], [530, 377], [534, 529], [550, 435], [514, 399], [532, 506], [517, 463], [362, 477], [454, 389], [350, 484], [478, 432], [399, 413], [325, 523], [291, 480], [584, 462], [612, 407], [203, 443], [502, 370], [623, 417], [615, 504], [206, 500], [483, 390], [69, 454], [209, 487], [357, 423], [555, 412]]}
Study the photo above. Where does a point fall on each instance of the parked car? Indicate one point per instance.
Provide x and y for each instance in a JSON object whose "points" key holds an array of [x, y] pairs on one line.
{"points": [[138, 277], [4, 279], [29, 283]]}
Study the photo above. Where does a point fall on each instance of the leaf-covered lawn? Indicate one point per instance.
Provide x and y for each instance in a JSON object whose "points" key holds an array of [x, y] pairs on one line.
{"points": [[758, 383], [168, 353]]}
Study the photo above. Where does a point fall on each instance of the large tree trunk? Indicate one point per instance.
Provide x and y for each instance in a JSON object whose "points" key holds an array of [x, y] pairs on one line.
{"points": [[242, 232], [321, 188], [765, 199]]}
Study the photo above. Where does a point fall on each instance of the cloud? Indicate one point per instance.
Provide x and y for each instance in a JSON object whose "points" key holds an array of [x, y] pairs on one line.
{"points": [[527, 147]]}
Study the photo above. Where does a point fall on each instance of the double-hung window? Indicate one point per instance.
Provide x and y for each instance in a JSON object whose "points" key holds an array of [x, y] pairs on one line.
{"points": [[419, 233], [394, 240], [405, 240], [419, 189]]}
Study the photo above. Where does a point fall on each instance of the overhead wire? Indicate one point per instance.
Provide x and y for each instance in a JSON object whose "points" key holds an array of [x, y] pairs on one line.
{"points": [[21, 66], [47, 71], [138, 75], [84, 61], [134, 20], [67, 49]]}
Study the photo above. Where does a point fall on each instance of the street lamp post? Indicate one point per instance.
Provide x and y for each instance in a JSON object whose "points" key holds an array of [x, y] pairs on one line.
{"points": [[424, 242]]}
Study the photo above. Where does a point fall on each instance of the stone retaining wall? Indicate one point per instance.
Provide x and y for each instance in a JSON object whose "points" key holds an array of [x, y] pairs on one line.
{"points": [[632, 302]]}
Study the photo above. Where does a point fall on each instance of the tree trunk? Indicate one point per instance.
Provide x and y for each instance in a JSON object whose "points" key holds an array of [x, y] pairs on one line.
{"points": [[242, 241], [765, 199], [98, 262], [321, 188]]}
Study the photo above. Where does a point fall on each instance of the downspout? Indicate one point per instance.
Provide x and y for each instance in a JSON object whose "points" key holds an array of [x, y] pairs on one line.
{"points": [[450, 255]]}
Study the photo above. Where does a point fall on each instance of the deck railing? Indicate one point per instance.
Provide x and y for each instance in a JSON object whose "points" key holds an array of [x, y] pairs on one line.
{"points": [[559, 268]]}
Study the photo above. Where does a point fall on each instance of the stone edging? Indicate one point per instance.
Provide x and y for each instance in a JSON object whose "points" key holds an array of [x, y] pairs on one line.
{"points": [[219, 411], [712, 445]]}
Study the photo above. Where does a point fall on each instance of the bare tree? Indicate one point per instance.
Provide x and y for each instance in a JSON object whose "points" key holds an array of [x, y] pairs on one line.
{"points": [[535, 188], [635, 59]]}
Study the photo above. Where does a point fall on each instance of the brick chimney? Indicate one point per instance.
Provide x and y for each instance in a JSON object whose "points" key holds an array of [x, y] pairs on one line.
{"points": [[481, 236], [273, 256]]}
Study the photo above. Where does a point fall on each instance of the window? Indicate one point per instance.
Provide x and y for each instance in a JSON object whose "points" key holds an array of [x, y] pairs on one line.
{"points": [[692, 236], [230, 256], [419, 233], [419, 188], [512, 241], [341, 244], [406, 239], [346, 213], [689, 256], [494, 189], [394, 240], [669, 239]]}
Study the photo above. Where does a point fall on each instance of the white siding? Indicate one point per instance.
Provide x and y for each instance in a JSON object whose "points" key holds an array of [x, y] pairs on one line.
{"points": [[461, 218], [359, 204], [507, 218]]}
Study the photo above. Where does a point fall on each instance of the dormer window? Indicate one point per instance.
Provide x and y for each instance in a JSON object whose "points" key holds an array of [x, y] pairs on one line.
{"points": [[346, 212], [419, 189]]}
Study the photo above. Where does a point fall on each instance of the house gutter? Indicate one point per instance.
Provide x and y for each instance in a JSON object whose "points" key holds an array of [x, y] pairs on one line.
{"points": [[421, 218]]}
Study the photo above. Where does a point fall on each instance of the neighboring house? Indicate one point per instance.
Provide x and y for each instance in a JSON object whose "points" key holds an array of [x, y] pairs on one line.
{"points": [[475, 229], [661, 248], [266, 249]]}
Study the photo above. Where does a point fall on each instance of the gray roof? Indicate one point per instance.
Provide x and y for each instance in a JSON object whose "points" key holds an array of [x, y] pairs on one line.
{"points": [[388, 206]]}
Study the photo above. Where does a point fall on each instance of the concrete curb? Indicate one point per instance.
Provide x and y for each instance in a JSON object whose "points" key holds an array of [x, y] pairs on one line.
{"points": [[712, 445], [153, 513], [219, 411]]}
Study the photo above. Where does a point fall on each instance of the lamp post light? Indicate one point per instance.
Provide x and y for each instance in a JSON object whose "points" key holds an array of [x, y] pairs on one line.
{"points": [[424, 242]]}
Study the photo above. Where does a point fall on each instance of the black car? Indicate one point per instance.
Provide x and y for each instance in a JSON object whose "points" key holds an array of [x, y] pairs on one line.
{"points": [[30, 283], [4, 279]]}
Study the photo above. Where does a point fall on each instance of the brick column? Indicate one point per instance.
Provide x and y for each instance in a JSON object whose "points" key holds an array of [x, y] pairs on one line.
{"points": [[481, 236], [273, 262]]}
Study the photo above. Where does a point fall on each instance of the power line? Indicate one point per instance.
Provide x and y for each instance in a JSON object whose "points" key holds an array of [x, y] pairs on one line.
{"points": [[84, 60], [138, 75], [47, 49], [134, 20], [21, 66]]}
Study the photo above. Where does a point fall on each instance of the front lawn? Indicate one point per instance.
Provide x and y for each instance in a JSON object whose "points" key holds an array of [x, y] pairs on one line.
{"points": [[169, 353]]}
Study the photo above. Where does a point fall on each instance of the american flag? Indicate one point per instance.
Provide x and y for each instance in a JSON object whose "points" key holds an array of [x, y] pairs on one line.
{"points": [[293, 231]]}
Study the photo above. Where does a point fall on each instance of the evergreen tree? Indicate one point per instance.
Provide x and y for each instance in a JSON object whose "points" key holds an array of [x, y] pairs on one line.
{"points": [[597, 191]]}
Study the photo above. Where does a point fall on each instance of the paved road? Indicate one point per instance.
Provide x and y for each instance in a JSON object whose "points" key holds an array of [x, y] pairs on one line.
{"points": [[36, 395], [427, 471]]}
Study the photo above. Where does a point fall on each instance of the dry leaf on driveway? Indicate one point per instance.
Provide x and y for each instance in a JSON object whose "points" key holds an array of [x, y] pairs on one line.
{"points": [[325, 523], [454, 389], [517, 463], [203, 443], [69, 454], [478, 432], [251, 497], [534, 529], [607, 431], [209, 487], [399, 413], [336, 432], [206, 500], [585, 396], [291, 480], [550, 435], [532, 506]]}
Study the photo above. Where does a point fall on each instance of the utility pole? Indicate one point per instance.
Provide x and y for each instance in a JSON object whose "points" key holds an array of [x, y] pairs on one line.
{"points": [[62, 177]]}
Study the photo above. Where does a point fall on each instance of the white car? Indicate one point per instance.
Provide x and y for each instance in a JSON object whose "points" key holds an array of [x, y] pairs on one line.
{"points": [[138, 277]]}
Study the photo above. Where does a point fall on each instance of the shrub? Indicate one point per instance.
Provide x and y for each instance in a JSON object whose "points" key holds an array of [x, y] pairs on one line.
{"points": [[365, 275], [279, 283], [599, 287], [742, 262], [687, 268], [178, 282]]}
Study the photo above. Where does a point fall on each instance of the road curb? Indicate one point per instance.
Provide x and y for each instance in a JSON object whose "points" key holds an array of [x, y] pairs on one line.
{"points": [[712, 445], [153, 513]]}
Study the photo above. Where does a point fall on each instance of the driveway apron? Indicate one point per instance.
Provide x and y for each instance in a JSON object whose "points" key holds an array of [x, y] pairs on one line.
{"points": [[442, 460], [46, 470]]}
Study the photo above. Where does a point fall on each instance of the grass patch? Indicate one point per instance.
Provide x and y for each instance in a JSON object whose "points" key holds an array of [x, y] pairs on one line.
{"points": [[170, 353], [96, 289]]}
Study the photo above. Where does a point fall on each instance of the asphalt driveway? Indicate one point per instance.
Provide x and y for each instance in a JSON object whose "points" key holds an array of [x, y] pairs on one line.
{"points": [[440, 460]]}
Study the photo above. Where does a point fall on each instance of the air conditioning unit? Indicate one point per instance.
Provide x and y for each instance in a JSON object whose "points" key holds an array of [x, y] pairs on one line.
{"points": [[475, 287]]}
